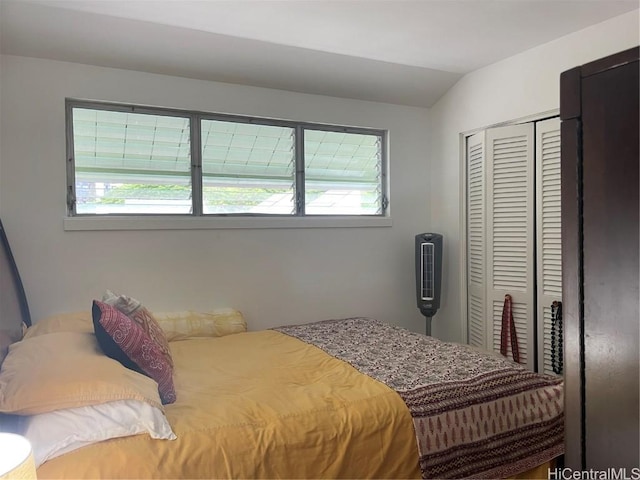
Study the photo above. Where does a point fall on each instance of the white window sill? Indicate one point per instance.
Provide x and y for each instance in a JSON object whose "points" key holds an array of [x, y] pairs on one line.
{"points": [[210, 223]]}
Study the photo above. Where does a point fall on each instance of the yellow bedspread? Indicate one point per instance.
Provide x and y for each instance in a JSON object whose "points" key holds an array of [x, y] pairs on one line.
{"points": [[258, 405]]}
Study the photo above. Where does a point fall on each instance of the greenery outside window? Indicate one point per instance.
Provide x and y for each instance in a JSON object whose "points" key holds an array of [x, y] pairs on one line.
{"points": [[131, 160]]}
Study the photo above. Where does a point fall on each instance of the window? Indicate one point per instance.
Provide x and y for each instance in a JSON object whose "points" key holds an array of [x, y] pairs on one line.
{"points": [[129, 160]]}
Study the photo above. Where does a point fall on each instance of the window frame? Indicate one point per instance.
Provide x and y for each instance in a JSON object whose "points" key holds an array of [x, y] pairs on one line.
{"points": [[195, 118]]}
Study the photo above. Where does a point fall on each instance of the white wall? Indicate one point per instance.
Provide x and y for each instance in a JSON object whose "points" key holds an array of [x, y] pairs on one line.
{"points": [[523, 85], [275, 276]]}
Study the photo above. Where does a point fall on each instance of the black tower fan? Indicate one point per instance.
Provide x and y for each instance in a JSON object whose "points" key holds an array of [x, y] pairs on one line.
{"points": [[428, 274]]}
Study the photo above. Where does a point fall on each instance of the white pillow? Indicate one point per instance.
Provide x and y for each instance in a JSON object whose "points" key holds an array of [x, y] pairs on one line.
{"points": [[53, 433]]}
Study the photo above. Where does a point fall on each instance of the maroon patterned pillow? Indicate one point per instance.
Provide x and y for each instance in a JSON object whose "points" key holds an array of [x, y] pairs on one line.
{"points": [[123, 339], [134, 309]]}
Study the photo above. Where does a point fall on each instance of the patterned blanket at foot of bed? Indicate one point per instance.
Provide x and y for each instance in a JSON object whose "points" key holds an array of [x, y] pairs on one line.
{"points": [[475, 414]]}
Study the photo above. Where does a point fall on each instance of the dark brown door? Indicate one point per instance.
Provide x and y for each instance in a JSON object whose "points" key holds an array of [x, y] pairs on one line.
{"points": [[610, 229], [604, 348]]}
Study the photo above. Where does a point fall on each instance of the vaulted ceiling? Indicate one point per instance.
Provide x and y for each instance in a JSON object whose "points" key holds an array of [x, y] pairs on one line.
{"points": [[397, 51]]}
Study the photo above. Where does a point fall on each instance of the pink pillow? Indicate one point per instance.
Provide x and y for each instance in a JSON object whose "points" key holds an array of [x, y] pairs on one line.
{"points": [[134, 309], [123, 339]]}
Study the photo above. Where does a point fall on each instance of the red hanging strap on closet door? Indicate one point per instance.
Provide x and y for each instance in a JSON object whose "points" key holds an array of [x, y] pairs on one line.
{"points": [[509, 329]]}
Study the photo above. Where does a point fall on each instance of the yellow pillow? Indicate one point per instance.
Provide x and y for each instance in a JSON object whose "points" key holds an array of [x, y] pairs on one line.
{"points": [[67, 370], [189, 324], [79, 322], [176, 325]]}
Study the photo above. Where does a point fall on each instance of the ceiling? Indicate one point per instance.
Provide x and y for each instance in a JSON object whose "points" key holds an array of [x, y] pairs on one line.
{"points": [[407, 52]]}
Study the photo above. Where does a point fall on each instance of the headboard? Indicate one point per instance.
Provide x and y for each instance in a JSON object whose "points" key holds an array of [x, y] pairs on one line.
{"points": [[14, 310]]}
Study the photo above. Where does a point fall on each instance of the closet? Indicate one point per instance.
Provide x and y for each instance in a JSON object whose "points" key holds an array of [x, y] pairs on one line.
{"points": [[514, 236], [600, 209]]}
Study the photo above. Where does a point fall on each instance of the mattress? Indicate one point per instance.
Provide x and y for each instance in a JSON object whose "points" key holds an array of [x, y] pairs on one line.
{"points": [[347, 398]]}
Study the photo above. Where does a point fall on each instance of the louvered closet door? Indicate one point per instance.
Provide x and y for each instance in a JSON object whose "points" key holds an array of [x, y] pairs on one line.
{"points": [[548, 234], [476, 245], [509, 234]]}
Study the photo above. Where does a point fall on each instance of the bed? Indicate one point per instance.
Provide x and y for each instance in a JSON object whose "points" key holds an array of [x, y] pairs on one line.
{"points": [[344, 398]]}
